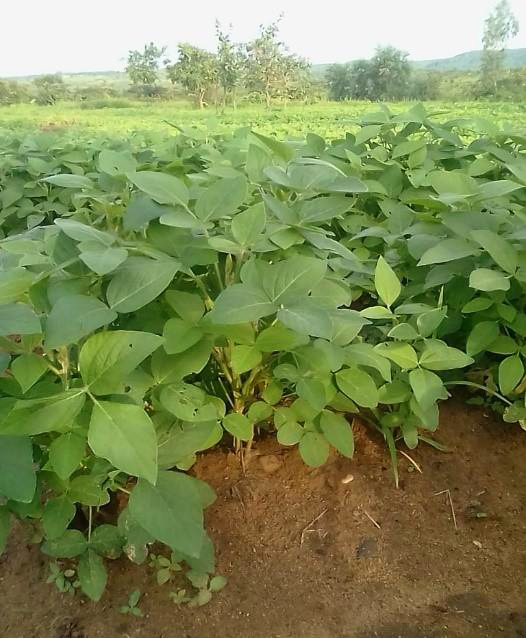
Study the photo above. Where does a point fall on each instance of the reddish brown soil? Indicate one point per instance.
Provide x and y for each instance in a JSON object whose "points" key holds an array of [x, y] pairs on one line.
{"points": [[415, 576]]}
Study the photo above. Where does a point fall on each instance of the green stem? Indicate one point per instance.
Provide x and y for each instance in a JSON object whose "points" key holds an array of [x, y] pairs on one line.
{"points": [[480, 387]]}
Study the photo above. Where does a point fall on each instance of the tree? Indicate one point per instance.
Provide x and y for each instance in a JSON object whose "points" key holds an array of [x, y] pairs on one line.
{"points": [[390, 74], [50, 88], [500, 26], [230, 65], [195, 70], [271, 71], [143, 69], [339, 79]]}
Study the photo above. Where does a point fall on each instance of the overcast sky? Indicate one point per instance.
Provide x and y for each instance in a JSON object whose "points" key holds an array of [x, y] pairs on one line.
{"points": [[94, 35]]}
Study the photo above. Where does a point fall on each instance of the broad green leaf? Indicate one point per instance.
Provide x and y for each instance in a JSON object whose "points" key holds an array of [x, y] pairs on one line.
{"points": [[290, 433], [364, 354], [92, 575], [248, 225], [116, 162], [71, 544], [73, 317], [238, 426], [394, 393], [27, 370], [312, 391], [500, 250], [48, 414], [259, 411], [403, 332], [108, 357], [142, 210], [448, 250], [377, 312], [429, 321], [14, 283], [65, 454], [65, 180], [188, 306], [124, 434], [488, 280], [107, 541], [138, 281], [87, 490], [187, 440], [358, 386], [221, 199], [437, 355], [83, 232], [427, 387], [277, 338], [17, 475], [281, 149], [477, 305], [103, 260], [338, 432], [307, 318], [164, 189], [57, 515], [482, 335], [386, 282], [403, 354], [171, 511], [171, 368], [292, 278], [450, 182], [180, 335], [18, 319], [498, 188], [244, 358], [314, 449], [190, 403], [503, 344], [240, 303], [511, 371]]}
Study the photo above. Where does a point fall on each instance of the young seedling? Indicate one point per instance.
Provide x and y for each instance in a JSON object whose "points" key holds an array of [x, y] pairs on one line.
{"points": [[64, 581], [165, 567], [131, 608]]}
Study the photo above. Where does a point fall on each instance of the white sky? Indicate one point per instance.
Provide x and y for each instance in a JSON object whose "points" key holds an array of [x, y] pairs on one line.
{"points": [[44, 36]]}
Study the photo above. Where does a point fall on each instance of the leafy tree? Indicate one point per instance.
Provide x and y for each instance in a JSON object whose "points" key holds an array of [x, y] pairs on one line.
{"points": [[339, 81], [500, 26], [196, 70], [390, 73], [50, 88], [230, 65], [143, 69], [12, 92]]}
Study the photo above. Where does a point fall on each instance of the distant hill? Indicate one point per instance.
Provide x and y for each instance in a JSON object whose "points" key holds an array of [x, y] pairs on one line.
{"points": [[468, 61]]}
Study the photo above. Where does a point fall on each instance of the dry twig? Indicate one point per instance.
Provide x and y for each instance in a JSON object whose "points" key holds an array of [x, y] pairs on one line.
{"points": [[450, 505], [307, 527]]}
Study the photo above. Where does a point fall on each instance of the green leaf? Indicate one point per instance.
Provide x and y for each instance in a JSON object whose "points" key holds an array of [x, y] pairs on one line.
{"points": [[188, 306], [427, 387], [292, 278], [17, 475], [437, 355], [27, 370], [108, 357], [377, 312], [164, 189], [488, 280], [171, 368], [477, 305], [245, 358], [116, 163], [74, 317], [500, 250], [482, 336], [503, 345], [18, 319], [83, 232], [290, 433], [107, 541], [5, 528], [187, 440], [281, 149], [498, 188], [221, 199], [190, 403], [428, 322], [142, 210], [448, 250], [338, 432], [170, 511], [248, 225], [103, 259], [66, 180], [511, 371], [277, 338], [314, 449], [358, 386], [86, 490], [180, 335], [124, 434], [48, 414], [240, 303], [92, 575], [312, 391], [386, 282], [394, 393], [259, 411], [71, 544], [217, 583], [65, 454], [238, 426], [14, 283], [307, 318], [57, 515], [138, 281], [364, 354], [403, 354], [403, 332]]}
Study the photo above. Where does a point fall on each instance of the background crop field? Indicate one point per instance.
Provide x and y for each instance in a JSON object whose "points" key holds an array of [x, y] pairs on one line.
{"points": [[329, 119]]}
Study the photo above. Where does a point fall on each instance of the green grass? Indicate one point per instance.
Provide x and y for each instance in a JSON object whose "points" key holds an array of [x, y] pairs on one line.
{"points": [[329, 119]]}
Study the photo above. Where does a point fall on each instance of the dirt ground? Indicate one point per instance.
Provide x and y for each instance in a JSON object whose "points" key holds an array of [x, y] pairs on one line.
{"points": [[379, 562]]}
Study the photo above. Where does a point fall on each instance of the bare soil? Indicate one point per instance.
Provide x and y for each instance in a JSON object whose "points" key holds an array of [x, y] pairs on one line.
{"points": [[378, 563]]}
